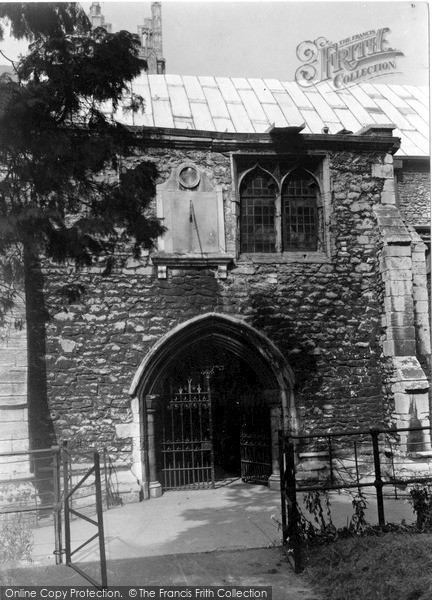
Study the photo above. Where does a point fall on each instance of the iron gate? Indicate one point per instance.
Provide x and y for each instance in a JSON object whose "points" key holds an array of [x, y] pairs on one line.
{"points": [[186, 457], [255, 444], [255, 455], [86, 476]]}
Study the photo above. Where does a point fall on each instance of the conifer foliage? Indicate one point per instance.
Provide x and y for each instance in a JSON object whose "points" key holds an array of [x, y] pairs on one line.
{"points": [[58, 141]]}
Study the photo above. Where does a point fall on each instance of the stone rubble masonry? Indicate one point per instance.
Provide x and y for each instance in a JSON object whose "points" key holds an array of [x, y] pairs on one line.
{"points": [[324, 315], [413, 191]]}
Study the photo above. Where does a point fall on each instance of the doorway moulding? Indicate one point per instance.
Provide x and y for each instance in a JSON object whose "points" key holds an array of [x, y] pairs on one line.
{"points": [[234, 335]]}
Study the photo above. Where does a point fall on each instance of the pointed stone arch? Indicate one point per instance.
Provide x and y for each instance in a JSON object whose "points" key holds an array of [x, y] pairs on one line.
{"points": [[232, 333], [257, 168], [227, 332]]}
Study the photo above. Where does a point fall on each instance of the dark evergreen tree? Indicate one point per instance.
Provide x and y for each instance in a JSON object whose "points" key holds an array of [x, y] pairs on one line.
{"points": [[58, 140]]}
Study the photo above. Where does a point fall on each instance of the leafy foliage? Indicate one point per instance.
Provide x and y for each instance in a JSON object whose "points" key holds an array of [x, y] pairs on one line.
{"points": [[65, 189], [42, 19], [317, 529], [421, 501], [17, 538]]}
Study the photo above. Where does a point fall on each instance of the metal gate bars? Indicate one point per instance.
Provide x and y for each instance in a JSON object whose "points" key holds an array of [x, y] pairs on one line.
{"points": [[187, 456], [255, 444], [255, 453], [350, 460], [69, 491]]}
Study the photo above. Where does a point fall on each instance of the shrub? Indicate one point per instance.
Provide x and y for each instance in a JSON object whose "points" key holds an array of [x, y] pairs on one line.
{"points": [[421, 501], [16, 535]]}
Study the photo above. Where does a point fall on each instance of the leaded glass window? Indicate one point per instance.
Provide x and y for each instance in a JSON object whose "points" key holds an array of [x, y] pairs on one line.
{"points": [[258, 194], [299, 213], [281, 208]]}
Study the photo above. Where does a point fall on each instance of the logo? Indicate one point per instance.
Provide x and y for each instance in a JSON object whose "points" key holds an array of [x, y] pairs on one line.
{"points": [[347, 62]]}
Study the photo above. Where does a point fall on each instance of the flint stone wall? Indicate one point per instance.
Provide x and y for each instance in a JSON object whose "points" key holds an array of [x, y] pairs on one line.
{"points": [[413, 192], [325, 317]]}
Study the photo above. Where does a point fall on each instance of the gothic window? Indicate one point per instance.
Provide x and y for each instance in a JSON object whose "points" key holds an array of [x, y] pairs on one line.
{"points": [[299, 212], [280, 210], [258, 194]]}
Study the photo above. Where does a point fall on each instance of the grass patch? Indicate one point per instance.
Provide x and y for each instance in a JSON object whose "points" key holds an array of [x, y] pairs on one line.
{"points": [[393, 566]]}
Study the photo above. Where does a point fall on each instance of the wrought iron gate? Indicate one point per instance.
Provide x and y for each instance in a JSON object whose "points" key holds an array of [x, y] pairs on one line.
{"points": [[255, 446], [186, 457], [87, 476]]}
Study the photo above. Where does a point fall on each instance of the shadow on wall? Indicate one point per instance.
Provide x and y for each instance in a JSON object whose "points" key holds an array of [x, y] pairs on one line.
{"points": [[110, 480], [41, 429], [272, 320]]}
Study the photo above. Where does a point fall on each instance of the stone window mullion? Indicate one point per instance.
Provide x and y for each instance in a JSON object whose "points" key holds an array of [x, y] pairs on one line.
{"points": [[278, 221]]}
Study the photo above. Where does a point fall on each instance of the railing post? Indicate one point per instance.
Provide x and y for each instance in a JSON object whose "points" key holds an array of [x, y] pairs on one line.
{"points": [[107, 490], [330, 450], [393, 470], [58, 552], [282, 476], [357, 467], [293, 512], [66, 502], [99, 511], [378, 483], [207, 374]]}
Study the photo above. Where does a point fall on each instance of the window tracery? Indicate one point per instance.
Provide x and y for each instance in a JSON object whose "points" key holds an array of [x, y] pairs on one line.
{"points": [[280, 209]]}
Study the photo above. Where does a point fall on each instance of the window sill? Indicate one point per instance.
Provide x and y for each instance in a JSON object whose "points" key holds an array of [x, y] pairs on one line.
{"points": [[192, 261], [285, 257]]}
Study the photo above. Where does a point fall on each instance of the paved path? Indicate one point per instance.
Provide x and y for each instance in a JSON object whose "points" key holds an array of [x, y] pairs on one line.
{"points": [[233, 516], [207, 537], [211, 537]]}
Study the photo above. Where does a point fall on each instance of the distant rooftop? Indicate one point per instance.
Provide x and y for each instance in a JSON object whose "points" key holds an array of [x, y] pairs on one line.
{"points": [[241, 105]]}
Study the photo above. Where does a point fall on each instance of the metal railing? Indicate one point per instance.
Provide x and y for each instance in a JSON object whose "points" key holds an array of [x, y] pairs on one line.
{"points": [[370, 458], [33, 480], [57, 482]]}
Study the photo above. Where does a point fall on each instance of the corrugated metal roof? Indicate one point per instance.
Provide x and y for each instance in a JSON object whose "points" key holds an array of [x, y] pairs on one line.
{"points": [[243, 105]]}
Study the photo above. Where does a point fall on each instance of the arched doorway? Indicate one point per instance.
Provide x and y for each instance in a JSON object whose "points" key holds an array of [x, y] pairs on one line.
{"points": [[213, 394], [212, 421]]}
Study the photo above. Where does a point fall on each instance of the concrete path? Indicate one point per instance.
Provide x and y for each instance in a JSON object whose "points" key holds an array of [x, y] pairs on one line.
{"points": [[208, 537], [233, 516]]}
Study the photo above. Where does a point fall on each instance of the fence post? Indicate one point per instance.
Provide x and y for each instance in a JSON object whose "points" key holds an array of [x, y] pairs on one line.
{"points": [[282, 487], [58, 551], [393, 470], [293, 512], [330, 449], [357, 468], [99, 511], [378, 483], [107, 491], [66, 502]]}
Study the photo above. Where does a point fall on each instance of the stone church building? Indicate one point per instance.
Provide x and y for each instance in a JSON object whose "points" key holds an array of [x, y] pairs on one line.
{"points": [[290, 290]]}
